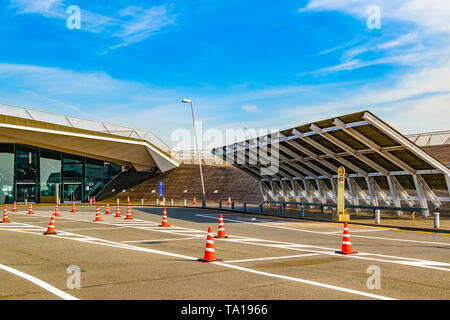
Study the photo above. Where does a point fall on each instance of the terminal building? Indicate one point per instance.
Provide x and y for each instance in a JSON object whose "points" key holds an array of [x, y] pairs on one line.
{"points": [[43, 155], [46, 157]]}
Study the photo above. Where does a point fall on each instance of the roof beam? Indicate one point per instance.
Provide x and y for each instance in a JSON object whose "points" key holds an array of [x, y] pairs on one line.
{"points": [[405, 141], [331, 154], [347, 148], [373, 146]]}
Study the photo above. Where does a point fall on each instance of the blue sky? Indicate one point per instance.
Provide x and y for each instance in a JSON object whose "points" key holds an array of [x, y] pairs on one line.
{"points": [[254, 64]]}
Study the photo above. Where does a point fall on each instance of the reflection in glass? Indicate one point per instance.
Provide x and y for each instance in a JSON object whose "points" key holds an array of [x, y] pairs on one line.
{"points": [[50, 175], [6, 173]]}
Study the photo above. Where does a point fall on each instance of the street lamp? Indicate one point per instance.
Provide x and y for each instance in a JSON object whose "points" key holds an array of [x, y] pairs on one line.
{"points": [[198, 152]]}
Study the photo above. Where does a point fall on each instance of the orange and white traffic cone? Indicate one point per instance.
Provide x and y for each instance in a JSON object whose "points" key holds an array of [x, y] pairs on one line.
{"points": [[117, 212], [74, 209], [57, 211], [14, 209], [229, 200], [107, 209], [94, 200], [51, 226], [210, 252], [128, 200], [5, 215], [195, 201], [97, 215], [128, 217], [164, 219], [346, 243], [221, 229], [30, 209]]}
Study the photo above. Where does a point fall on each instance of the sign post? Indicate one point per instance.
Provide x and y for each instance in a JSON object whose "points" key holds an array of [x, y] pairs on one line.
{"points": [[341, 213], [161, 189]]}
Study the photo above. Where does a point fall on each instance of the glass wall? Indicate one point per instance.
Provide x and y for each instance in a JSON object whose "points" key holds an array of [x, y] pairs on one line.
{"points": [[94, 176], [6, 173], [50, 175], [26, 173], [29, 174]]}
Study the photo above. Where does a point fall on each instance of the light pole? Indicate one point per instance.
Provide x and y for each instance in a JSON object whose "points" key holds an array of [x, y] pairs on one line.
{"points": [[198, 152]]}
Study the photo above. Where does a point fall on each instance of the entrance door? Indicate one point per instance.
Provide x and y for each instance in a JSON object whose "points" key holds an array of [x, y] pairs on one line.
{"points": [[72, 192], [26, 191]]}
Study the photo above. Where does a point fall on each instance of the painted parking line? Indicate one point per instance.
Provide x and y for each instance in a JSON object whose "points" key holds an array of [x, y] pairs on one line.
{"points": [[39, 283], [307, 248], [97, 241], [321, 232], [274, 258]]}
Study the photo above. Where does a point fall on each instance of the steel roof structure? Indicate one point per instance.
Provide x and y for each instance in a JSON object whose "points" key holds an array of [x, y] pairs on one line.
{"points": [[382, 165], [104, 141]]}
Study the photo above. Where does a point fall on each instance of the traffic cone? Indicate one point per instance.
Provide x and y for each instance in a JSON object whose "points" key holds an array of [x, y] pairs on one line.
{"points": [[107, 209], [30, 209], [128, 200], [210, 252], [51, 226], [97, 215], [14, 209], [164, 219], [89, 199], [5, 215], [74, 209], [229, 200], [128, 217], [57, 211], [221, 230], [195, 201], [117, 212], [346, 243], [94, 200]]}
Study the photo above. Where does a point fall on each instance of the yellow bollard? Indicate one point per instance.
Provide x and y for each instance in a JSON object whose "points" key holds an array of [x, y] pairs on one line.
{"points": [[412, 215]]}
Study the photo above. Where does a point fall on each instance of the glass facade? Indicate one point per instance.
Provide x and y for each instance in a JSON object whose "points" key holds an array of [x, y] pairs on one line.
{"points": [[31, 174]]}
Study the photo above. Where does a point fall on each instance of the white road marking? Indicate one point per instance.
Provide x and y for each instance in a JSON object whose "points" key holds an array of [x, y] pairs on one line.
{"points": [[156, 240], [369, 295], [93, 240], [39, 283], [319, 232], [274, 258]]}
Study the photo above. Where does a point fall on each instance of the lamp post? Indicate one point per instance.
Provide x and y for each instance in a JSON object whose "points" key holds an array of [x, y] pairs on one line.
{"points": [[198, 152]]}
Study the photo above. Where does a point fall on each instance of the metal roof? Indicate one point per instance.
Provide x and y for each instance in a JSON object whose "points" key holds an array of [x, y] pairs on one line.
{"points": [[373, 153]]}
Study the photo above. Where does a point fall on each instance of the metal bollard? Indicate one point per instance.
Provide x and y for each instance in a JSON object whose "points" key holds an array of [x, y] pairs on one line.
{"points": [[157, 202], [220, 204], [436, 220], [203, 204], [279, 209], [377, 216], [302, 212], [142, 202], [244, 206], [260, 209], [232, 205], [171, 202], [184, 202]]}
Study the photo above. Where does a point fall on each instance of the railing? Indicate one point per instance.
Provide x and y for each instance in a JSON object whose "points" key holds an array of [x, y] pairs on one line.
{"points": [[430, 138], [323, 205], [190, 157]]}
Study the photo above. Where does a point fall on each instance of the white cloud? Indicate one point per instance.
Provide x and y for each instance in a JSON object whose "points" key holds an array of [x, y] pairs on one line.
{"points": [[250, 108], [131, 24]]}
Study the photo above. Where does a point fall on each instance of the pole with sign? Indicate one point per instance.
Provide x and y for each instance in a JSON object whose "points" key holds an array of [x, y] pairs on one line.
{"points": [[161, 189], [341, 214]]}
